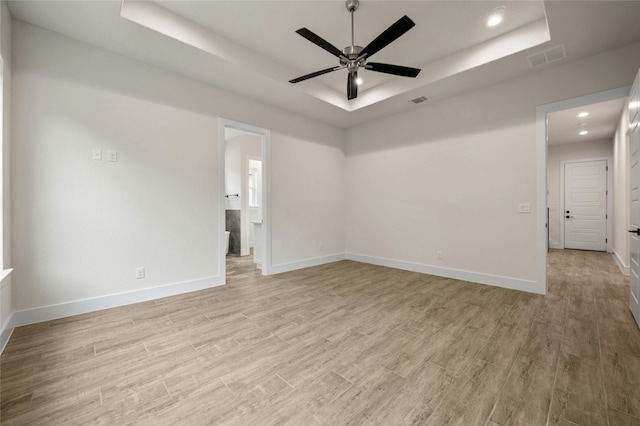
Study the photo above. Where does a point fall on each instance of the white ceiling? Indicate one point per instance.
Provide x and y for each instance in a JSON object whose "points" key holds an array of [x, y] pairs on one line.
{"points": [[251, 47], [601, 123]]}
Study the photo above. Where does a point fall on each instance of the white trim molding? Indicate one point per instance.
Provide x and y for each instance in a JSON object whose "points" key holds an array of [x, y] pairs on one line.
{"points": [[625, 269], [458, 274], [6, 334], [5, 328], [46, 313], [307, 263]]}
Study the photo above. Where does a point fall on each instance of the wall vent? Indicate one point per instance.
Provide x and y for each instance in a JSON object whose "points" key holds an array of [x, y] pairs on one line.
{"points": [[419, 100], [550, 55]]}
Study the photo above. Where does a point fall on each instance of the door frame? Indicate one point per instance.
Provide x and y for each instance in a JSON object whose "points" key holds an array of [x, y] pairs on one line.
{"points": [[609, 195], [542, 238], [265, 134], [247, 159]]}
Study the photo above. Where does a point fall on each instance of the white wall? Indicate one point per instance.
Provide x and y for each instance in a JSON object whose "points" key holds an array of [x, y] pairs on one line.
{"points": [[565, 152], [81, 226], [621, 222], [6, 306], [449, 176], [305, 199]]}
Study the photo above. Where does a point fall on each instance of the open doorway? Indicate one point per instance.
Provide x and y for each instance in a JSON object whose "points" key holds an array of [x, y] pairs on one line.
{"points": [[561, 151], [580, 175], [244, 197]]}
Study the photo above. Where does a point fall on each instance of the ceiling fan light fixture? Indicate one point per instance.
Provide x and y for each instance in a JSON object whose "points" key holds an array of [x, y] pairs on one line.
{"points": [[496, 16], [359, 81], [355, 57]]}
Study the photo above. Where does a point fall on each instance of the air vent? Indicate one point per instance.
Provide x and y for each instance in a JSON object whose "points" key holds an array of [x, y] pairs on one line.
{"points": [[419, 100], [550, 55]]}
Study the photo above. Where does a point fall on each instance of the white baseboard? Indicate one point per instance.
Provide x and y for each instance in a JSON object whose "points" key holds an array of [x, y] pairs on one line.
{"points": [[307, 263], [624, 268], [46, 313], [555, 245], [5, 292], [476, 277], [7, 330]]}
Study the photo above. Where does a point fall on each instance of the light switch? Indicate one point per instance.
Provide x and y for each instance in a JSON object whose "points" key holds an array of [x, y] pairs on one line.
{"points": [[97, 154], [524, 208], [112, 155]]}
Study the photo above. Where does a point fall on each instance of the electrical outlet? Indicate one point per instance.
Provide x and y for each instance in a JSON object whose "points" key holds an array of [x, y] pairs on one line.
{"points": [[321, 247], [97, 154], [439, 254], [139, 273], [112, 155]]}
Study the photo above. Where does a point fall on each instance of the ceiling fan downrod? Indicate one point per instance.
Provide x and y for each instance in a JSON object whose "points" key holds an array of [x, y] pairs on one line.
{"points": [[352, 52], [352, 6]]}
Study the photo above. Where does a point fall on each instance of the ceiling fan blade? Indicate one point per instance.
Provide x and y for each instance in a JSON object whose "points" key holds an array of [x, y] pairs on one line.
{"points": [[352, 86], [315, 74], [392, 69], [320, 42], [389, 35]]}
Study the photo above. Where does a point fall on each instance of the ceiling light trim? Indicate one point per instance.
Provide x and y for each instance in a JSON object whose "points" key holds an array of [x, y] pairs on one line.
{"points": [[496, 16]]}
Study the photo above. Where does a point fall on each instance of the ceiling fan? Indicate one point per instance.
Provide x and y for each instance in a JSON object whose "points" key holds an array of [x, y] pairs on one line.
{"points": [[354, 57]]}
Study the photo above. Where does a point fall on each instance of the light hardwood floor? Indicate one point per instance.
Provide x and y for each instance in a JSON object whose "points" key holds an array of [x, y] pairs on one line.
{"points": [[345, 343]]}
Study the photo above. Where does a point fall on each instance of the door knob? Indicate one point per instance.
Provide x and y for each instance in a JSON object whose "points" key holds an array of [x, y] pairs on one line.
{"points": [[636, 231]]}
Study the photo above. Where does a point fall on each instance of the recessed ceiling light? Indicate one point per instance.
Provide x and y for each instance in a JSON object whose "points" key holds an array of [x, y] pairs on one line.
{"points": [[496, 16], [583, 114], [584, 132]]}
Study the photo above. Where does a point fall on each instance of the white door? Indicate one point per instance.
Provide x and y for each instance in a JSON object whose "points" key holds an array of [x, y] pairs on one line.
{"points": [[634, 187], [585, 205]]}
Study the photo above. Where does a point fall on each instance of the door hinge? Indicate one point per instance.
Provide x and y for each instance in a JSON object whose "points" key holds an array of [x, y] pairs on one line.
{"points": [[607, 168], [606, 216], [606, 192], [606, 241]]}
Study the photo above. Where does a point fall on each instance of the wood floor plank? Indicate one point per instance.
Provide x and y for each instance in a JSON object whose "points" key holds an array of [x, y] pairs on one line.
{"points": [[621, 381], [542, 343], [581, 338], [418, 398], [471, 399], [504, 344], [579, 395], [526, 396]]}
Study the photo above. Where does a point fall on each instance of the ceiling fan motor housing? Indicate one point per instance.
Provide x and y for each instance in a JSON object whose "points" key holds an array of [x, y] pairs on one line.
{"points": [[352, 53]]}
